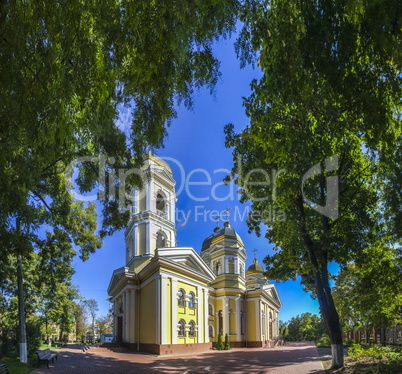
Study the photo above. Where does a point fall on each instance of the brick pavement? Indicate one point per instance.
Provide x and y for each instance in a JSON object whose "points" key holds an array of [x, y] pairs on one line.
{"points": [[293, 358]]}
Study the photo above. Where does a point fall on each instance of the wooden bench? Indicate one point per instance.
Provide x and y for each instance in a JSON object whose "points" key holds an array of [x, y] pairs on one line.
{"points": [[45, 356], [4, 369]]}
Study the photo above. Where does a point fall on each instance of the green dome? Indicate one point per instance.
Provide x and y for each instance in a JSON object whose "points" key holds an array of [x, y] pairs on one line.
{"points": [[219, 234], [255, 268]]}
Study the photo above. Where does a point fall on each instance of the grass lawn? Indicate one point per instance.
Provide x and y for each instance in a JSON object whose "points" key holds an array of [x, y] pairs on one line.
{"points": [[367, 360], [16, 367]]}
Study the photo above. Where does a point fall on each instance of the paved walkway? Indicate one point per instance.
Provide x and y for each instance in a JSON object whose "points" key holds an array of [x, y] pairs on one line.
{"points": [[293, 358]]}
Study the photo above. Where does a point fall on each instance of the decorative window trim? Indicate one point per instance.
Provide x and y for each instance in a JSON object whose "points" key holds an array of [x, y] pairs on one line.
{"points": [[181, 299], [181, 327], [192, 329]]}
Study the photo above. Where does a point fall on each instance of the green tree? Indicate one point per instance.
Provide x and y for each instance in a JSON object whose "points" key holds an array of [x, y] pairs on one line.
{"points": [[323, 136], [48, 299], [79, 320], [368, 292], [104, 324], [306, 326], [91, 305], [219, 344], [284, 330], [66, 67]]}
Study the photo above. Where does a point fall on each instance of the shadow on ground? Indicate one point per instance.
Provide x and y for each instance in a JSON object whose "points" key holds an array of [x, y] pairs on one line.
{"points": [[297, 358]]}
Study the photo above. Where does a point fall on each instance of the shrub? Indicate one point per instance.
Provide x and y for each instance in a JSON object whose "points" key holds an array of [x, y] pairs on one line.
{"points": [[227, 344], [324, 341], [356, 351], [33, 327], [219, 344]]}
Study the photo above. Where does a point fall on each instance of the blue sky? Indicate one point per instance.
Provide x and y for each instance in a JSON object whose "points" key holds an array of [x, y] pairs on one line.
{"points": [[196, 141]]}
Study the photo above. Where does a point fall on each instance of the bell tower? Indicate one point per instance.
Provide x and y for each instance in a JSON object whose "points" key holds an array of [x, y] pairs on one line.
{"points": [[152, 221]]}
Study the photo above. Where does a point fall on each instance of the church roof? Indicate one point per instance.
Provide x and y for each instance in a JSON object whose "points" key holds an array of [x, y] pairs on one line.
{"points": [[255, 268], [226, 232], [157, 160]]}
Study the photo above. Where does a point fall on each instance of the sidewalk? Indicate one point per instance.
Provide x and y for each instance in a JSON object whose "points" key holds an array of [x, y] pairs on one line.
{"points": [[293, 358]]}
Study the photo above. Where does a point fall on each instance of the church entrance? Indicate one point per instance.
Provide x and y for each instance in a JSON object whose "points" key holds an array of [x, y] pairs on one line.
{"points": [[119, 329]]}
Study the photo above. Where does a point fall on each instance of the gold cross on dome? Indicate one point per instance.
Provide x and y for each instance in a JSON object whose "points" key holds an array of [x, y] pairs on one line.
{"points": [[226, 213], [255, 250]]}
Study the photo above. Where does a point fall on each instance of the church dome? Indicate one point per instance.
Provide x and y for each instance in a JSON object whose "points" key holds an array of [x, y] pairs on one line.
{"points": [[255, 268], [219, 234]]}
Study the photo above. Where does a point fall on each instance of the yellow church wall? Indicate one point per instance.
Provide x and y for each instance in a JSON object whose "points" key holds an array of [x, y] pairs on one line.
{"points": [[219, 306], [148, 313], [186, 313], [142, 237], [139, 263], [251, 321]]}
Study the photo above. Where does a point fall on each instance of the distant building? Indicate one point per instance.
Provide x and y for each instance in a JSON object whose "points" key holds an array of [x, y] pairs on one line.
{"points": [[170, 299], [106, 338]]}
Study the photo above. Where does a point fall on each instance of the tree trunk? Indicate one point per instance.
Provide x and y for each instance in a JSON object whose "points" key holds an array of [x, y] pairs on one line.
{"points": [[21, 312], [330, 316], [319, 259], [382, 337]]}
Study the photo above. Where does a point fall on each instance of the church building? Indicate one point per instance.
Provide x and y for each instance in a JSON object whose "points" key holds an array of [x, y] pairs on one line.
{"points": [[169, 299]]}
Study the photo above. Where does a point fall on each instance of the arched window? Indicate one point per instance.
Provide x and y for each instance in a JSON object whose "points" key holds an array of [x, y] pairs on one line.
{"points": [[181, 328], [210, 310], [160, 202], [160, 240], [220, 322], [211, 331], [192, 332], [241, 270], [218, 268], [191, 300], [181, 297]]}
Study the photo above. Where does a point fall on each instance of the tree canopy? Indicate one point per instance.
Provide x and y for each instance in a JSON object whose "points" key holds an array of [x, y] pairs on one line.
{"points": [[306, 326], [324, 135], [65, 69], [368, 292]]}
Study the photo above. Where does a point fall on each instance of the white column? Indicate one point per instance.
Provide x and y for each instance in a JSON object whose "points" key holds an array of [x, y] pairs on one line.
{"points": [[149, 197], [114, 319], [174, 311], [158, 311], [238, 320], [206, 305], [135, 240], [148, 238], [225, 316], [164, 321], [128, 315], [125, 315], [132, 317], [258, 319]]}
